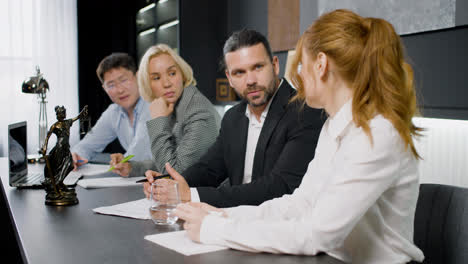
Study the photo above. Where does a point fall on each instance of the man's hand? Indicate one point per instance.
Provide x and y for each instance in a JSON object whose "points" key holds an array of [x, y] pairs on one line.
{"points": [[193, 214], [78, 161], [159, 107], [183, 188], [122, 169], [147, 185]]}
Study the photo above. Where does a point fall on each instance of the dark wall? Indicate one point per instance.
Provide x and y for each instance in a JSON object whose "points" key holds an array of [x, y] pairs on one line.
{"points": [[439, 61], [104, 26], [438, 57], [202, 31], [247, 14], [253, 15], [107, 26], [151, 19]]}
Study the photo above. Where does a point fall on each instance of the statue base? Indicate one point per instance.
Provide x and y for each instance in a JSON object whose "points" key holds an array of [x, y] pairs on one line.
{"points": [[62, 202], [62, 198]]}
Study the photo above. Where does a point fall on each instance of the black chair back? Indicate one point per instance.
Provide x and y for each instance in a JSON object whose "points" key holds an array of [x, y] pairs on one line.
{"points": [[441, 224]]}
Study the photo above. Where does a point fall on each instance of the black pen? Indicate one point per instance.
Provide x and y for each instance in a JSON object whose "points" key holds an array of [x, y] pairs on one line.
{"points": [[164, 176]]}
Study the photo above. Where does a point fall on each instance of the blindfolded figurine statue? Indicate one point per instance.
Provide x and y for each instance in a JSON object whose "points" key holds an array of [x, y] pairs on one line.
{"points": [[59, 162]]}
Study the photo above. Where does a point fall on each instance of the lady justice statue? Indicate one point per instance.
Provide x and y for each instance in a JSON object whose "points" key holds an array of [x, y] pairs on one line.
{"points": [[59, 162]]}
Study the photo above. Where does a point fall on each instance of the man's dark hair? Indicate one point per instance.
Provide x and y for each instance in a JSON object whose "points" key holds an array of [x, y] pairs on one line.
{"points": [[244, 38], [114, 61]]}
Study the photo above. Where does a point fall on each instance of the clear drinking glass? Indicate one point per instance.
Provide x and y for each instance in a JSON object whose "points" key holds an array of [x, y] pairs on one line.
{"points": [[164, 199]]}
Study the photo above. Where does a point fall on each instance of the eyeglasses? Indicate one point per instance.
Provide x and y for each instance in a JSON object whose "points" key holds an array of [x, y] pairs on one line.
{"points": [[123, 81]]}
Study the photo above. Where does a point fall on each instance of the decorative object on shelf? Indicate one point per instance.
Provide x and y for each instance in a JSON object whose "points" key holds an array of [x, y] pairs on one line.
{"points": [[38, 85], [59, 161], [224, 92]]}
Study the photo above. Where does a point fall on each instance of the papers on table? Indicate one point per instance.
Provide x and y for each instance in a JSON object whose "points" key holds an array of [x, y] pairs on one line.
{"points": [[72, 178], [87, 169], [180, 242], [109, 182], [138, 209], [177, 241], [93, 169]]}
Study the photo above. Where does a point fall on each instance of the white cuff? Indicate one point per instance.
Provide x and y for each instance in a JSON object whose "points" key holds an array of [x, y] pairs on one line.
{"points": [[211, 229], [194, 197]]}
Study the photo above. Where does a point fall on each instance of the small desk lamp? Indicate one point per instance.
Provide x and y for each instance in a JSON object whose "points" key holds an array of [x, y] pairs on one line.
{"points": [[38, 85]]}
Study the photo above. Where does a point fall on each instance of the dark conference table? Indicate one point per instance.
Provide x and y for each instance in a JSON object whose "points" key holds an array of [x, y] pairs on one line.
{"points": [[75, 234]]}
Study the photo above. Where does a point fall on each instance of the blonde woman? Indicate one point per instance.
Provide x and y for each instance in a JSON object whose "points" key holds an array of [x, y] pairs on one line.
{"points": [[358, 197], [183, 121]]}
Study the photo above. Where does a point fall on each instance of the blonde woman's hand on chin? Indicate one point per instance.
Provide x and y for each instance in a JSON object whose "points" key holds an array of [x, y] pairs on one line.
{"points": [[159, 107]]}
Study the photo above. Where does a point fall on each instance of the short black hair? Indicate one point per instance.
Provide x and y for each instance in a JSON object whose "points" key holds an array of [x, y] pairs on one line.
{"points": [[114, 61], [244, 38]]}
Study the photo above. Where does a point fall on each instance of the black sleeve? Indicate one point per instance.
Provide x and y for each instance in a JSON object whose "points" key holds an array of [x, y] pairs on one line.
{"points": [[287, 171]]}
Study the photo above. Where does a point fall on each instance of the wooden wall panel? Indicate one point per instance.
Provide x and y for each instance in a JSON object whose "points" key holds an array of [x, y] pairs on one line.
{"points": [[283, 24]]}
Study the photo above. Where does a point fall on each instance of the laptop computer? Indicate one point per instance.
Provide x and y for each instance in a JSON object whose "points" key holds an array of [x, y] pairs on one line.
{"points": [[18, 160], [22, 175]]}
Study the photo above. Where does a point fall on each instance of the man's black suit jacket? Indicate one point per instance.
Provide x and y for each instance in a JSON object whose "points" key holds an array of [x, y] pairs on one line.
{"points": [[285, 147]]}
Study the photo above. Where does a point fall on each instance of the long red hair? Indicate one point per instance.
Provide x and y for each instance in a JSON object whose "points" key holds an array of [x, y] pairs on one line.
{"points": [[369, 56]]}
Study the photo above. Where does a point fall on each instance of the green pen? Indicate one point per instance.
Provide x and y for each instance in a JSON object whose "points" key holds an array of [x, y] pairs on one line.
{"points": [[122, 161]]}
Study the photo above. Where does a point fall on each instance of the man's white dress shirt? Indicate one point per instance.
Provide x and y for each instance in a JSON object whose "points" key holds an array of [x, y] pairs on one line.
{"points": [[356, 201], [254, 130], [255, 127]]}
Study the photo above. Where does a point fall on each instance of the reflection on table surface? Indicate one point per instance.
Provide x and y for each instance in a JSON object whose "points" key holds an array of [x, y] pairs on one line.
{"points": [[75, 234]]}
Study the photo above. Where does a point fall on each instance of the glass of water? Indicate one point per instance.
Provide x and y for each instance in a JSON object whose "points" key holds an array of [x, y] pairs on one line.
{"points": [[164, 199]]}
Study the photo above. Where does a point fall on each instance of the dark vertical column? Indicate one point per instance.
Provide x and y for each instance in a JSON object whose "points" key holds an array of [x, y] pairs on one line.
{"points": [[439, 62], [461, 12], [104, 26], [248, 14], [202, 31]]}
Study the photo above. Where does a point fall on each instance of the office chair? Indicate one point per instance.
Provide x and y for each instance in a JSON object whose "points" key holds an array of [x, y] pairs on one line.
{"points": [[441, 224]]}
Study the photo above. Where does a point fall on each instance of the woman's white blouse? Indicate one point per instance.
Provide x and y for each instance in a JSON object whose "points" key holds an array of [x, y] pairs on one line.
{"points": [[356, 201]]}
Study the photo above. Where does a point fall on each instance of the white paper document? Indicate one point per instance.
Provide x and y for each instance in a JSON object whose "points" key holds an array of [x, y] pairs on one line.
{"points": [[109, 182], [72, 178], [87, 169], [180, 242], [138, 209], [93, 169]]}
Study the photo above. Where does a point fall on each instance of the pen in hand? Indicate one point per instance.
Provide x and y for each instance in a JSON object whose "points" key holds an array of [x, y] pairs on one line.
{"points": [[164, 176], [122, 161]]}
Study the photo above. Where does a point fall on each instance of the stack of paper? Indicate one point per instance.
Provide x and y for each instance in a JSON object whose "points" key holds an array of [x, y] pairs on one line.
{"points": [[72, 178], [109, 182], [180, 242], [93, 169], [86, 169], [138, 209], [177, 241]]}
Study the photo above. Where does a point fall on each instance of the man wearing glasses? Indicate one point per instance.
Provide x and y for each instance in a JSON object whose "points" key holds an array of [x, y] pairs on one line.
{"points": [[124, 119]]}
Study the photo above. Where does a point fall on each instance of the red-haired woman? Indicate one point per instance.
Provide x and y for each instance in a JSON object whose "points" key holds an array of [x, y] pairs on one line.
{"points": [[358, 197]]}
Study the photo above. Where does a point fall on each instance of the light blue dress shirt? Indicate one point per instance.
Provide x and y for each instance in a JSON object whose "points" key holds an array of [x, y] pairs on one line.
{"points": [[114, 123]]}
